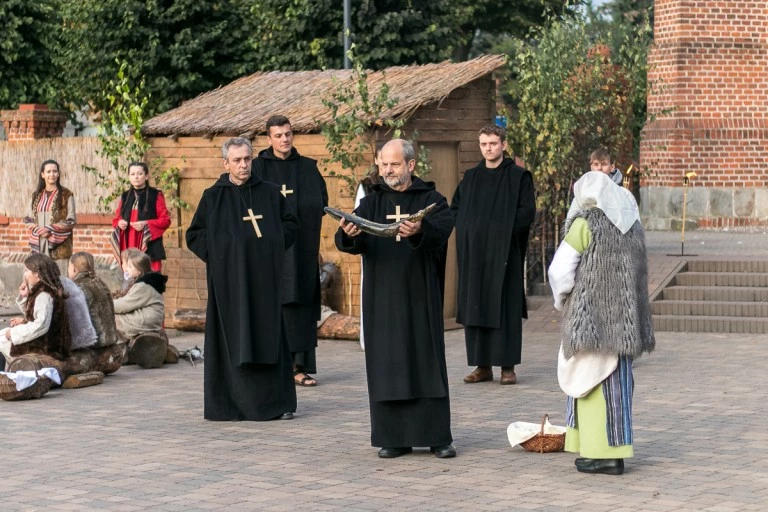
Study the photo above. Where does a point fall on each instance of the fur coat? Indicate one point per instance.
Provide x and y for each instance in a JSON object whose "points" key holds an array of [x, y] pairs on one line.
{"points": [[100, 307], [141, 309]]}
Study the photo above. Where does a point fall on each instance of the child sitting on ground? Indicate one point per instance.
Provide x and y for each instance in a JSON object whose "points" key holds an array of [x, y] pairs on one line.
{"points": [[139, 308]]}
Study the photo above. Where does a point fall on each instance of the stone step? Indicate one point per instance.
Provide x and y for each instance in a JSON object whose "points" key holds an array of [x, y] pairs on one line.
{"points": [[722, 279], [725, 324], [716, 293], [710, 308], [696, 265]]}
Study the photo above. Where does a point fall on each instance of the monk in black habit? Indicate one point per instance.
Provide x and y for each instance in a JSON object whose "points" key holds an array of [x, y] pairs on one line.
{"points": [[494, 206], [403, 309], [240, 230], [304, 188]]}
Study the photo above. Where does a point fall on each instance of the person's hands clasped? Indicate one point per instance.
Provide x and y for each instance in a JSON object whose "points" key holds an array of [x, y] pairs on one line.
{"points": [[138, 225], [122, 224], [408, 228], [45, 232], [349, 228]]}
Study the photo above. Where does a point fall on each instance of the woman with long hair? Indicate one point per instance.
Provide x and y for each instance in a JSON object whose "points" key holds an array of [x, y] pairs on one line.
{"points": [[82, 270], [140, 308], [52, 216], [44, 328], [141, 218]]}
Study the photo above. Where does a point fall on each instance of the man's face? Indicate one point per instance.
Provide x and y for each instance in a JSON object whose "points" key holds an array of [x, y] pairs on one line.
{"points": [[281, 140], [393, 168], [238, 164], [492, 147], [605, 166]]}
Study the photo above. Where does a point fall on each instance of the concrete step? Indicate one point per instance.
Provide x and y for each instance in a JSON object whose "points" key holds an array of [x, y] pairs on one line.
{"points": [[722, 279], [716, 293], [696, 265], [724, 324], [710, 308]]}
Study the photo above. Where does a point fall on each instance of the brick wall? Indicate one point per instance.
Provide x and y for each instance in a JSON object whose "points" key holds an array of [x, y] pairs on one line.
{"points": [[709, 70], [91, 234]]}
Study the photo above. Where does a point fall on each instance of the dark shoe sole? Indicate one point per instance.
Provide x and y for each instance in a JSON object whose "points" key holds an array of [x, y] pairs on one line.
{"points": [[394, 453], [595, 468]]}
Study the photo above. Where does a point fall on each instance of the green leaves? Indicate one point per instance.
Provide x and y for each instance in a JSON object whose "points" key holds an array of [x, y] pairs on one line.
{"points": [[122, 142]]}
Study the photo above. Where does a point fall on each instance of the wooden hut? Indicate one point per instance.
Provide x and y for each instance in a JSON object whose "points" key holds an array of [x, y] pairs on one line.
{"points": [[446, 103]]}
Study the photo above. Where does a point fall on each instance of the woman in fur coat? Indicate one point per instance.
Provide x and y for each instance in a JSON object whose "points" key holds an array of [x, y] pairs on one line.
{"points": [[82, 270], [599, 279], [140, 307]]}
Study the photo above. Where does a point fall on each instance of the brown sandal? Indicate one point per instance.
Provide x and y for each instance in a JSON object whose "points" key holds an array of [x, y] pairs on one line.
{"points": [[304, 380]]}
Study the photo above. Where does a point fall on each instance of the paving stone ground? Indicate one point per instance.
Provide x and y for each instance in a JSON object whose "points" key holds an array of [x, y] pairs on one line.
{"points": [[138, 442]]}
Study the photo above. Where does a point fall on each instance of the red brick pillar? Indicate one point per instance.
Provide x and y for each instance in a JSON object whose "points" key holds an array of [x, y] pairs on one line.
{"points": [[33, 121], [709, 77]]}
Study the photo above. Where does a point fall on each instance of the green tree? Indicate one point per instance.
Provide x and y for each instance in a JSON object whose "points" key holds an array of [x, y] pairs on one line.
{"points": [[307, 34], [572, 94], [27, 74], [181, 47]]}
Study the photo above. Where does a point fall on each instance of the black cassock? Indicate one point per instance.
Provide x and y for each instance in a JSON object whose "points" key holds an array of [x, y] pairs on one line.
{"points": [[305, 191], [403, 311], [248, 371], [494, 210]]}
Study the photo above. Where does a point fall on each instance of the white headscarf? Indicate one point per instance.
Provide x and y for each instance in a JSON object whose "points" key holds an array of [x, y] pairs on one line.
{"points": [[597, 190]]}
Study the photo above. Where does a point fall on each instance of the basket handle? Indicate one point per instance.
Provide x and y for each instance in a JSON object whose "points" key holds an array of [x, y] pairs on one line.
{"points": [[543, 421], [32, 359]]}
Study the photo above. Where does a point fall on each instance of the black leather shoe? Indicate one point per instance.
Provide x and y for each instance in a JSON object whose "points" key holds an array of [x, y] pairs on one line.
{"points": [[287, 416], [443, 452], [583, 461], [391, 453], [602, 466]]}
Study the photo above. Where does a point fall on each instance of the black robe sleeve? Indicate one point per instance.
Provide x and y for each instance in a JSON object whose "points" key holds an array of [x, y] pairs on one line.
{"points": [[354, 245], [435, 228], [526, 205], [196, 237]]}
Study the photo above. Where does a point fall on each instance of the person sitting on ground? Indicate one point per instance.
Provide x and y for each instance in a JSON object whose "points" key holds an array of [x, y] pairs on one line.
{"points": [[44, 328], [82, 270], [80, 325], [140, 308]]}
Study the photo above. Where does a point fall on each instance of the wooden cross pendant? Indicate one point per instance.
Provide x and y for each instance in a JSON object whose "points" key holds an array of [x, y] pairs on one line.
{"points": [[397, 218], [253, 218], [285, 191]]}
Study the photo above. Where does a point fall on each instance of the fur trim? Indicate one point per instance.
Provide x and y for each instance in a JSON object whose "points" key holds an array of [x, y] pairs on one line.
{"points": [[608, 311]]}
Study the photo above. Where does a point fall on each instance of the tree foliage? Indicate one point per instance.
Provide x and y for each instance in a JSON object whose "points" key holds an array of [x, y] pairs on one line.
{"points": [[26, 69], [181, 47], [572, 95]]}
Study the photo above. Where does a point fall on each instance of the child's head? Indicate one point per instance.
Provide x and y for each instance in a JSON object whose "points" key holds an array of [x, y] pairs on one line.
{"points": [[81, 262], [39, 268], [601, 160], [136, 263]]}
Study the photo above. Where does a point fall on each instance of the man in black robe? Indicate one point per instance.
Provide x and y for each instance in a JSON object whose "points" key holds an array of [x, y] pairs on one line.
{"points": [[304, 188], [494, 206], [403, 309], [240, 230]]}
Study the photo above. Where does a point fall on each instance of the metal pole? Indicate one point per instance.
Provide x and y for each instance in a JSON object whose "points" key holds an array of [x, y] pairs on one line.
{"points": [[347, 31]]}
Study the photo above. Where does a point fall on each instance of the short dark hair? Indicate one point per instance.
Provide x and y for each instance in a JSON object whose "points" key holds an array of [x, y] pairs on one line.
{"points": [[599, 155], [492, 129], [277, 121]]}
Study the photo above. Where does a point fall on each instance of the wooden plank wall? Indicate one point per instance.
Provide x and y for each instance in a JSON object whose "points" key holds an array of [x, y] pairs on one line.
{"points": [[456, 120]]}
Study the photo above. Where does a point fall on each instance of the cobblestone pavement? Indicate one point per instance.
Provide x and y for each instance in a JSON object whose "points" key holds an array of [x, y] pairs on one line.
{"points": [[138, 441]]}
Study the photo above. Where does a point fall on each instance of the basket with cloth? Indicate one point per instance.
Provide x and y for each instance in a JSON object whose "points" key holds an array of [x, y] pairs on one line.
{"points": [[19, 383], [534, 437]]}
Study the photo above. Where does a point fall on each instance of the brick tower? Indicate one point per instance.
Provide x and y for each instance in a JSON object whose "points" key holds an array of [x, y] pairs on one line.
{"points": [[710, 67]]}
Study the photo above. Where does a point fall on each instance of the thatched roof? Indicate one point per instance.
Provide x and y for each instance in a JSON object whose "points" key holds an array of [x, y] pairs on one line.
{"points": [[244, 106]]}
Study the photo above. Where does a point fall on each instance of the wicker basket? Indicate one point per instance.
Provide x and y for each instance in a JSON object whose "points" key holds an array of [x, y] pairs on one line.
{"points": [[544, 443], [38, 389]]}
